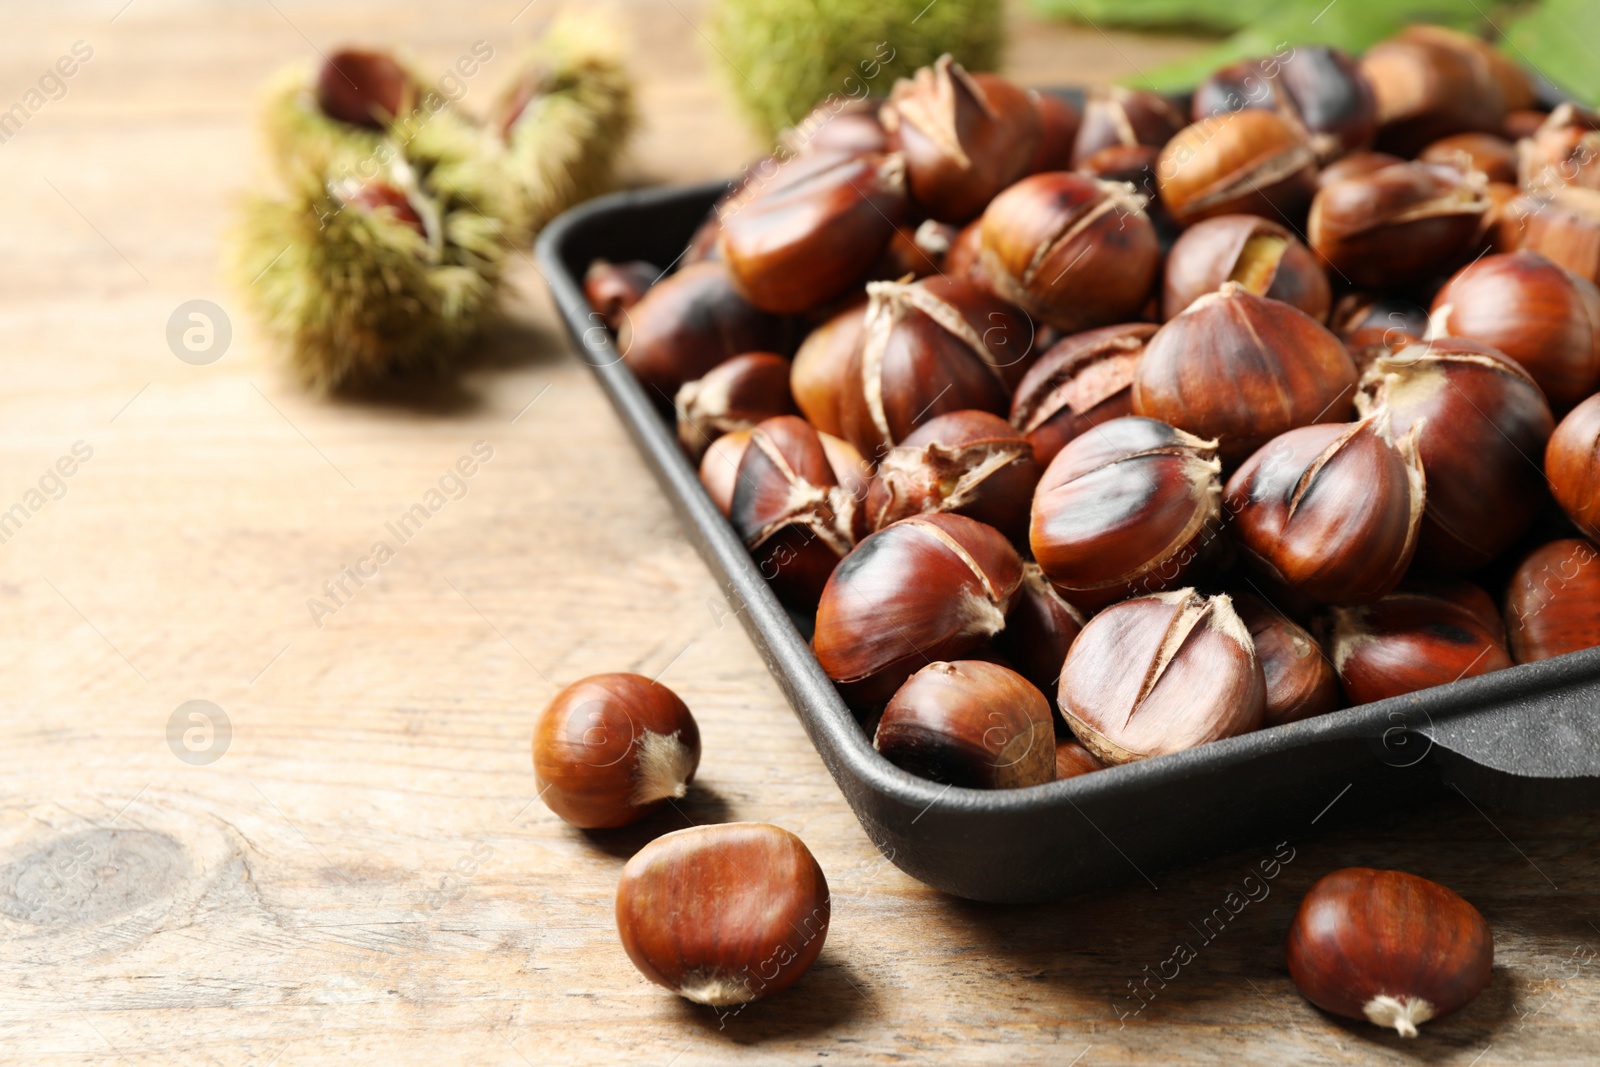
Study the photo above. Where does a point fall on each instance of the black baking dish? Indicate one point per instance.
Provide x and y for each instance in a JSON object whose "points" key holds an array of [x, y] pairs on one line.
{"points": [[1527, 738]]}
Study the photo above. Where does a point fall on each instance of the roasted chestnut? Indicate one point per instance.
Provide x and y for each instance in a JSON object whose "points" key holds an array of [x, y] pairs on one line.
{"points": [[1428, 85], [1564, 150], [934, 346], [968, 462], [1481, 425], [1319, 88], [1493, 157], [931, 587], [1124, 510], [1300, 679], [814, 230], [1553, 602], [1331, 511], [965, 137], [1070, 250], [364, 88], [732, 396], [1260, 255], [1407, 641], [1356, 163], [688, 323], [1114, 116], [1240, 162], [1162, 673], [1079, 382], [719, 468], [1391, 227], [1562, 224], [723, 914], [918, 251], [818, 372], [1361, 312], [1572, 465], [1242, 369], [970, 724], [612, 748], [839, 125], [1131, 164], [1039, 629], [1502, 230], [1058, 129], [1072, 759], [1388, 947], [1544, 317], [963, 261], [613, 288]]}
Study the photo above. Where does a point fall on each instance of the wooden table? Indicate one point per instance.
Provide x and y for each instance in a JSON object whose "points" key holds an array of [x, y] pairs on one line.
{"points": [[363, 875]]}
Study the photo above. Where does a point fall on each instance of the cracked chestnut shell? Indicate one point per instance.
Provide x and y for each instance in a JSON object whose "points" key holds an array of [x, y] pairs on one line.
{"points": [[735, 395], [1331, 511], [1564, 150], [1261, 256], [1562, 224], [1115, 117], [971, 463], [1572, 465], [1242, 369], [1553, 601], [1039, 630], [612, 748], [1072, 251], [931, 587], [1319, 89], [1394, 226], [1388, 947], [1159, 674], [1407, 641], [1080, 382], [1493, 157], [969, 723], [1300, 678], [688, 323], [964, 136], [1240, 162], [1124, 510], [1481, 424], [364, 88], [723, 914]]}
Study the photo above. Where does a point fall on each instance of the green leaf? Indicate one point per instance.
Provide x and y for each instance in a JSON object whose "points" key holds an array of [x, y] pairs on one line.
{"points": [[1560, 39]]}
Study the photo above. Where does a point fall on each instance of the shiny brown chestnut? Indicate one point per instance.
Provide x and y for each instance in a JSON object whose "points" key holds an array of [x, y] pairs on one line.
{"points": [[1356, 163], [1072, 760], [817, 375], [1388, 947], [1572, 466], [1426, 88], [1481, 423], [1115, 116], [364, 88], [814, 230], [963, 259], [1300, 679], [612, 748], [1541, 315], [971, 463], [723, 914], [1125, 509], [1242, 369], [1393, 226], [1331, 511], [1562, 224], [1159, 674], [969, 723], [1407, 641], [1502, 223], [1553, 601], [1319, 88], [927, 588], [840, 125], [719, 468], [1059, 120], [688, 323], [1240, 162], [735, 395], [1080, 382], [1464, 593], [790, 511], [613, 288], [1493, 157], [1040, 628], [965, 137], [1070, 250], [918, 251], [933, 346], [1260, 255], [1361, 312]]}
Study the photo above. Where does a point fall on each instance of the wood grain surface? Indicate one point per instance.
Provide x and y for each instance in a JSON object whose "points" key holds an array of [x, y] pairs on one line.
{"points": [[362, 873]]}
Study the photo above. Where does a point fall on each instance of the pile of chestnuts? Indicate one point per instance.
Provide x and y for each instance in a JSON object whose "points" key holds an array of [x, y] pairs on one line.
{"points": [[1095, 432]]}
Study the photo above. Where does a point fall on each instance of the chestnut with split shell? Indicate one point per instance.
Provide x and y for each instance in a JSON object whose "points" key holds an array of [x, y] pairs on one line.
{"points": [[1258, 254], [1040, 628], [1408, 641], [1319, 89], [968, 462], [735, 395], [1239, 162], [1118, 117], [969, 723], [1079, 382]]}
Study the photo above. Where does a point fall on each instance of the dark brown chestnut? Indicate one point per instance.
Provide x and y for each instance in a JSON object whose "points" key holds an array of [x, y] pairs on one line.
{"points": [[971, 724], [1242, 369], [1572, 465], [790, 510], [1362, 312], [1059, 120], [1388, 947], [1553, 601], [965, 137], [1395, 225], [1300, 679], [1240, 162], [1072, 759], [1319, 88], [1125, 509], [688, 323], [930, 347], [1160, 674], [971, 463], [613, 288], [918, 251], [1541, 315], [1481, 425], [963, 261], [817, 375], [612, 748], [839, 125], [1493, 157], [1039, 629], [1260, 255], [735, 395], [1407, 641], [814, 230], [927, 588], [1069, 250], [364, 88], [1331, 511], [723, 914], [1117, 117], [1080, 382], [1428, 86]]}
